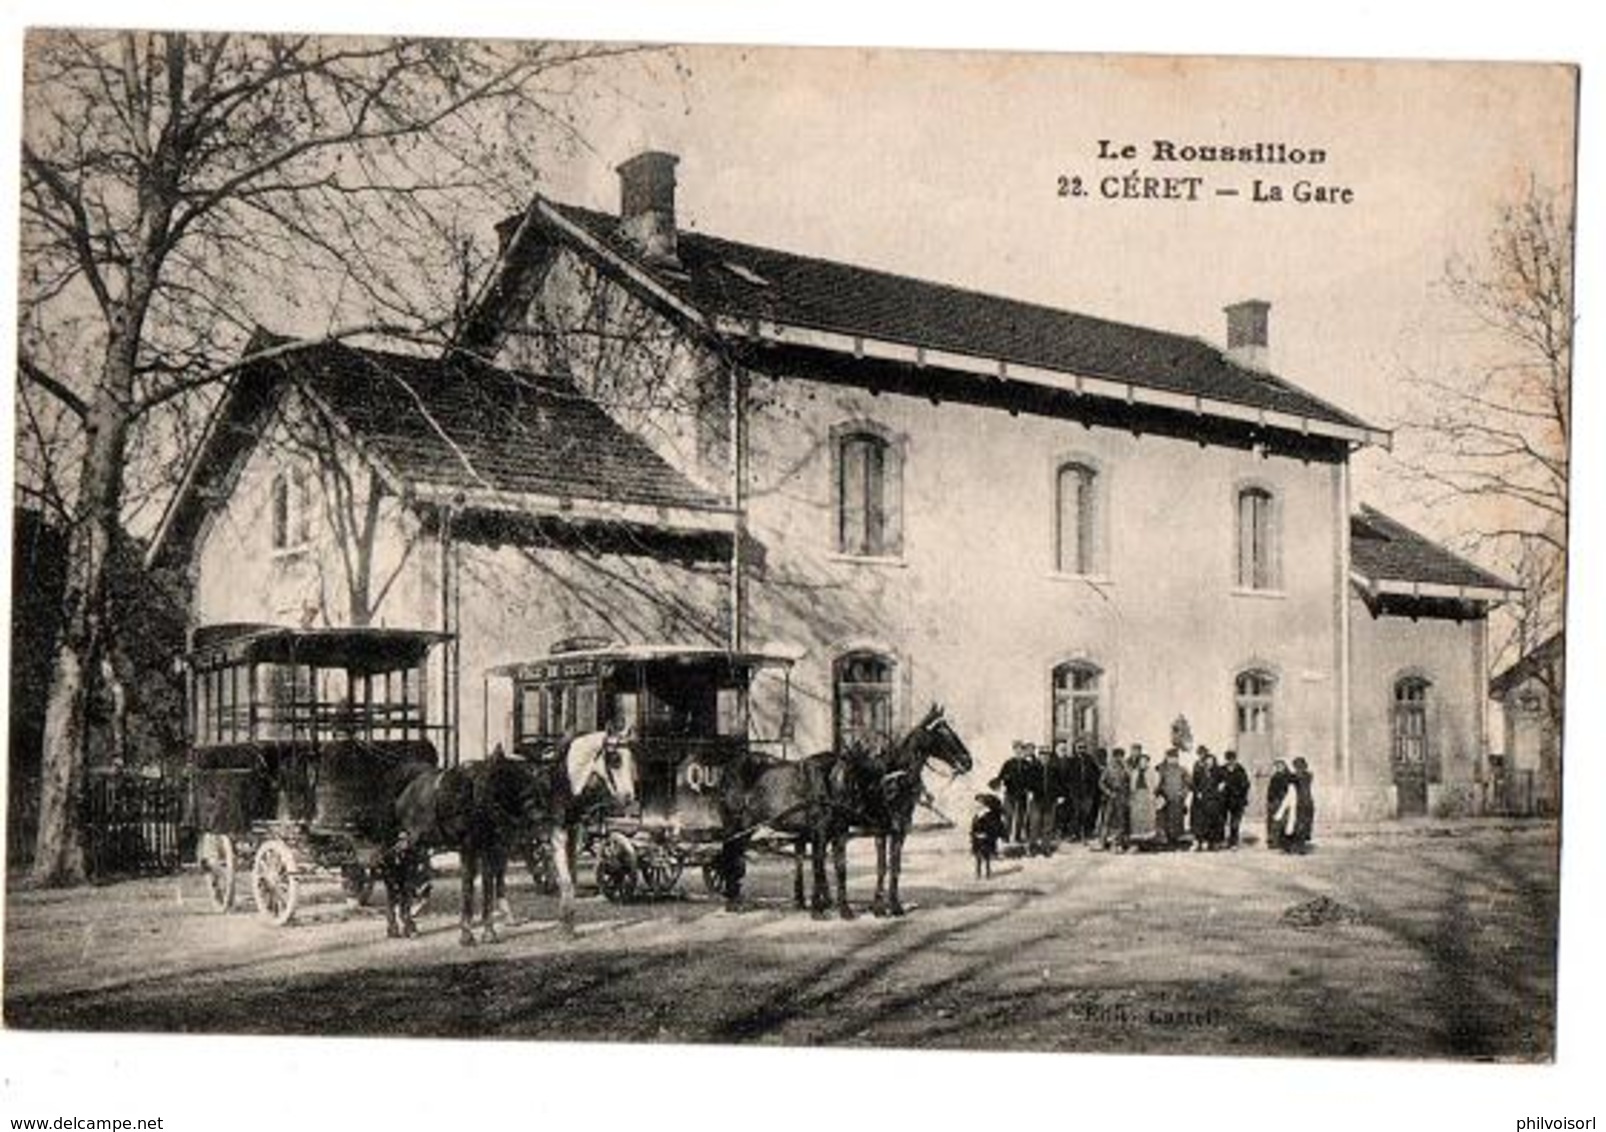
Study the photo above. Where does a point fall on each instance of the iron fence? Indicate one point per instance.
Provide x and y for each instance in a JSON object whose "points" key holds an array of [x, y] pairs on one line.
{"points": [[132, 825]]}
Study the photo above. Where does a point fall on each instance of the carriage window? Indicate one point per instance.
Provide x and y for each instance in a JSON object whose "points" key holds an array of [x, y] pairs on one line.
{"points": [[1257, 540], [1077, 691], [864, 684], [1075, 548], [555, 710], [585, 708], [868, 491], [229, 703], [626, 705], [202, 722], [731, 709], [284, 700], [529, 713]]}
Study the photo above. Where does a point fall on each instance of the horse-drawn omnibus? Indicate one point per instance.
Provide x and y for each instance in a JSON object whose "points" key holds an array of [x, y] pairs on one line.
{"points": [[689, 712], [299, 742]]}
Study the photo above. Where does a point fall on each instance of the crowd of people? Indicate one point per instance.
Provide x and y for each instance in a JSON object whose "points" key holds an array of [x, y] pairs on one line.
{"points": [[1116, 800]]}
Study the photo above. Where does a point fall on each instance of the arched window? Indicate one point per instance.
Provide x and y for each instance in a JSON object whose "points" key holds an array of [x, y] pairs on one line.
{"points": [[281, 511], [868, 495], [1078, 692], [1255, 704], [289, 522], [1076, 519], [864, 692], [1258, 558]]}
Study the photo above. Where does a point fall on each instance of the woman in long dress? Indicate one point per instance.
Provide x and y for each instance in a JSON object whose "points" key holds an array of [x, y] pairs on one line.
{"points": [[1278, 789], [1141, 803], [1300, 804]]}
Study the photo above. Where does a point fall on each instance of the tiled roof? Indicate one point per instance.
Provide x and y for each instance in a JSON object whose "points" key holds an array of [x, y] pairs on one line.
{"points": [[455, 424], [460, 423], [1384, 549], [745, 281]]}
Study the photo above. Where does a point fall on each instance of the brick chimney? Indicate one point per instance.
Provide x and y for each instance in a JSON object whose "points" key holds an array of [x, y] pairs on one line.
{"points": [[1247, 342], [647, 206]]}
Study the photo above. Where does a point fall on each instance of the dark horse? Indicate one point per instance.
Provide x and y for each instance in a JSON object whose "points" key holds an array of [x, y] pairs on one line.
{"points": [[483, 810], [824, 799]]}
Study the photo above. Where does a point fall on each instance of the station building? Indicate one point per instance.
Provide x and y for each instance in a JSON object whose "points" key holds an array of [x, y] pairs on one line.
{"points": [[1060, 527]]}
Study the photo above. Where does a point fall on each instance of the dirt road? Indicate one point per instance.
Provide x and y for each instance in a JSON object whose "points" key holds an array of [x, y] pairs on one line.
{"points": [[1429, 943]]}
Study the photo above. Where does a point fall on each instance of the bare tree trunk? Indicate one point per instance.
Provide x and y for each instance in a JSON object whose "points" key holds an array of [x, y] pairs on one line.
{"points": [[59, 849]]}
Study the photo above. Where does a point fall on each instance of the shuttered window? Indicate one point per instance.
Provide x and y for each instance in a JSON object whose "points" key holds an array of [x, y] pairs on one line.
{"points": [[868, 496], [1076, 531], [1257, 540]]}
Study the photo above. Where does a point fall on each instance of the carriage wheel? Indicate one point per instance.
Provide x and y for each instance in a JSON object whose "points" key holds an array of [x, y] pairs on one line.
{"points": [[358, 885], [660, 870], [274, 883], [215, 855], [616, 869]]}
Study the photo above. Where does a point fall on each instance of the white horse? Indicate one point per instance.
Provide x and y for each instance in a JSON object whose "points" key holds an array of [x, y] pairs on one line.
{"points": [[599, 774]]}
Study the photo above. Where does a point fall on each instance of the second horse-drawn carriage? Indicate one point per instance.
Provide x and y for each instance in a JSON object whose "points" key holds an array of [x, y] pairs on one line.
{"points": [[710, 732], [691, 714]]}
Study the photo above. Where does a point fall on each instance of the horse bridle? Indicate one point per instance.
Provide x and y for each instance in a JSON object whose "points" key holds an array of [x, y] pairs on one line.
{"points": [[931, 727], [890, 778]]}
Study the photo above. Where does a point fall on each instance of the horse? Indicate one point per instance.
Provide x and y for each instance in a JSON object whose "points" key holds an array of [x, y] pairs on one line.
{"points": [[789, 796], [483, 809], [826, 798], [880, 793]]}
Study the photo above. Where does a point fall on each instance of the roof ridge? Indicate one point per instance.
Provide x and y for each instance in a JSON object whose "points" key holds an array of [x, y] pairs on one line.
{"points": [[454, 355], [920, 281]]}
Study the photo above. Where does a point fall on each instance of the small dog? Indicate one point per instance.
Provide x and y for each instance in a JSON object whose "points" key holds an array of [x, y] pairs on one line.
{"points": [[986, 831]]}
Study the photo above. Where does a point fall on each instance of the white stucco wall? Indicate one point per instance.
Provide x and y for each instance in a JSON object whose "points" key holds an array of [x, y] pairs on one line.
{"points": [[973, 609], [1448, 654], [239, 576]]}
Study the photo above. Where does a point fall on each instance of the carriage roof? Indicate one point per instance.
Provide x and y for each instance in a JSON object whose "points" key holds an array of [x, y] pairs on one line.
{"points": [[576, 661], [366, 649]]}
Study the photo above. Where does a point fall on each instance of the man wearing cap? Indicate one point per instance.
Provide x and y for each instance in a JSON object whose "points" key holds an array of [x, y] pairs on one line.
{"points": [[1171, 787], [1234, 794], [1071, 787], [1015, 779], [1092, 771]]}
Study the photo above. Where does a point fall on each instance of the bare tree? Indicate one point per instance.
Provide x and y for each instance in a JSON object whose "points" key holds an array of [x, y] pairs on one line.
{"points": [[179, 189], [1492, 439]]}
